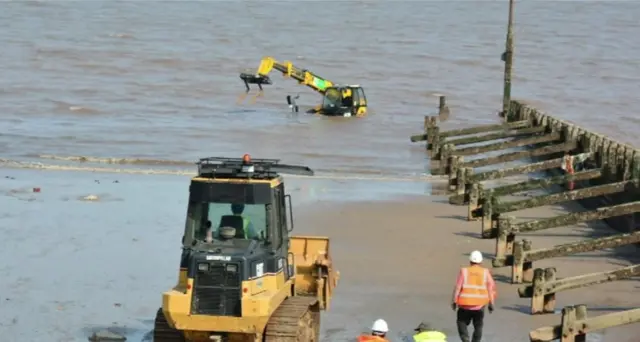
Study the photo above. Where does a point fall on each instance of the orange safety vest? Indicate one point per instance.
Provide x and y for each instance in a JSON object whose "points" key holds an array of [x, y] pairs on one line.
{"points": [[366, 338], [474, 286]]}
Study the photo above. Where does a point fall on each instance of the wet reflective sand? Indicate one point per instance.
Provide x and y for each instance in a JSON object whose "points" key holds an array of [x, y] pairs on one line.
{"points": [[75, 266]]}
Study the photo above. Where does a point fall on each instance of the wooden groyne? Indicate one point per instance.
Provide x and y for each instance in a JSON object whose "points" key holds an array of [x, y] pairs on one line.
{"points": [[602, 174]]}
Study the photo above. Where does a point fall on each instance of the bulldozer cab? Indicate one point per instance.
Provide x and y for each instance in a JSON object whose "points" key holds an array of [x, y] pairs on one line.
{"points": [[239, 203], [237, 228], [344, 101]]}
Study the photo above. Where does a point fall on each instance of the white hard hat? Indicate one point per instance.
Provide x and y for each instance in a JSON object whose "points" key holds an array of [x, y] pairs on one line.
{"points": [[475, 257], [380, 325]]}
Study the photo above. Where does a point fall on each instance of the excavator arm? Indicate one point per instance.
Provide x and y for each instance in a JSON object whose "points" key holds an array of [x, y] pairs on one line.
{"points": [[303, 76]]}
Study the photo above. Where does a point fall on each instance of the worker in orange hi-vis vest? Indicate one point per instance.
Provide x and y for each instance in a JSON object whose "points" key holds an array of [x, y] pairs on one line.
{"points": [[475, 289], [379, 332]]}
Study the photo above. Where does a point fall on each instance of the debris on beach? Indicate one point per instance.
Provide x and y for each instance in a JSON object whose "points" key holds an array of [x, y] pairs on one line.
{"points": [[106, 336], [23, 194], [91, 198]]}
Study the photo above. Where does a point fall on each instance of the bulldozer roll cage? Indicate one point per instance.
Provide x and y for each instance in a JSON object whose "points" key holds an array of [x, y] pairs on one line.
{"points": [[223, 167]]}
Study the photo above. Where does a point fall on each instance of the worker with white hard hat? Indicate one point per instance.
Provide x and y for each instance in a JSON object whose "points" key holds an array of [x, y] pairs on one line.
{"points": [[475, 289], [379, 332]]}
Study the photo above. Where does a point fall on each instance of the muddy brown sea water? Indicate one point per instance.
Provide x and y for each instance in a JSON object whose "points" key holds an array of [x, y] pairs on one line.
{"points": [[159, 80]]}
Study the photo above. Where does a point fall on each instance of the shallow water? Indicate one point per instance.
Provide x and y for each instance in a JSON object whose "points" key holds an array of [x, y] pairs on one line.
{"points": [[159, 80]]}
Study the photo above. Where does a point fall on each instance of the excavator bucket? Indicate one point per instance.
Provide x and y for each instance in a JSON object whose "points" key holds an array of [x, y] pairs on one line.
{"points": [[253, 79], [315, 274]]}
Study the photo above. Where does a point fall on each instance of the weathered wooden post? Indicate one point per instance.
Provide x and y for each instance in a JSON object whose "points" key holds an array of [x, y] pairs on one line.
{"points": [[537, 295], [454, 167], [527, 266], [474, 197], [443, 109], [504, 240], [443, 104], [570, 316], [549, 298], [566, 325], [434, 142], [461, 179], [487, 216], [581, 315], [445, 155], [447, 159], [507, 58], [521, 269], [430, 125], [635, 167], [462, 186], [429, 122]]}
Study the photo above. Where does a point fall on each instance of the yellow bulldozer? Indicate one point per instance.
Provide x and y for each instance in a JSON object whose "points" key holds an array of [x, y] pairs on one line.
{"points": [[242, 277]]}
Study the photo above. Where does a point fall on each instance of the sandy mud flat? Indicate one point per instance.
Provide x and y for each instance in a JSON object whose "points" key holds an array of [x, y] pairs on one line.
{"points": [[71, 266]]}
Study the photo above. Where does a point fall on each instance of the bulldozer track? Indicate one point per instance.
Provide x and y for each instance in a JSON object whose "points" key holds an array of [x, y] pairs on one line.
{"points": [[296, 320], [162, 332]]}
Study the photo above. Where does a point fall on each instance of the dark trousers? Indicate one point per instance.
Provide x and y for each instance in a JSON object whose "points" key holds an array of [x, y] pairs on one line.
{"points": [[468, 316]]}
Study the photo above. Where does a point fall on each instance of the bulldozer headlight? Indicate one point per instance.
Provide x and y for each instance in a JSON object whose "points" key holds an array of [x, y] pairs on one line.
{"points": [[232, 268], [203, 267]]}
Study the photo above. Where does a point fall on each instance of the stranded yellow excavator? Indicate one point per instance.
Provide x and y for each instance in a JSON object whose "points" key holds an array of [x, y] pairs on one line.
{"points": [[337, 100], [242, 277]]}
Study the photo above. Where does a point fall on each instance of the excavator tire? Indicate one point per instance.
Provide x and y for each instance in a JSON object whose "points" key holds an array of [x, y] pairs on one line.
{"points": [[162, 332], [296, 320]]}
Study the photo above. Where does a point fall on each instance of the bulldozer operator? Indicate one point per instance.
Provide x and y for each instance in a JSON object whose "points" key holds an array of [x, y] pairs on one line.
{"points": [[247, 225], [248, 230]]}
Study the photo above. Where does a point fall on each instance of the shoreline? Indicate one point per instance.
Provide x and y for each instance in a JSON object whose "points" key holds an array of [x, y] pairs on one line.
{"points": [[398, 255], [27, 165]]}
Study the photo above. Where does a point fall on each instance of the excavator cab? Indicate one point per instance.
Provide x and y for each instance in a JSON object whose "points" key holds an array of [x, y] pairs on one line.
{"points": [[344, 101], [242, 276]]}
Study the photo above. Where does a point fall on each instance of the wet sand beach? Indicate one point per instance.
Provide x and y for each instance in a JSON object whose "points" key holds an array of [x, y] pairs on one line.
{"points": [[75, 266]]}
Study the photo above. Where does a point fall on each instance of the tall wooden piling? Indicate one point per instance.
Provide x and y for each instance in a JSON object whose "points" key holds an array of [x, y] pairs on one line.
{"points": [[507, 57]]}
